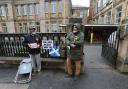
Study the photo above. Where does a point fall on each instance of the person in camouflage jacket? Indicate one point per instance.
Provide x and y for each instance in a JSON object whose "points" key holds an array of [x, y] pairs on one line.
{"points": [[74, 41]]}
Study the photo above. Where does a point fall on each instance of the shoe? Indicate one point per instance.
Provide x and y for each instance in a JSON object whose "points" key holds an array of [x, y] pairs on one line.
{"points": [[34, 73], [76, 77], [69, 76]]}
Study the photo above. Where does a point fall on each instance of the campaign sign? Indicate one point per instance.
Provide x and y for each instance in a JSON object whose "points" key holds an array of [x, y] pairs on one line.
{"points": [[47, 44]]}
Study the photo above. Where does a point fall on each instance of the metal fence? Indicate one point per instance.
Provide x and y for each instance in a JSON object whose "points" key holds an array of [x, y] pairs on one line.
{"points": [[11, 44], [110, 46]]}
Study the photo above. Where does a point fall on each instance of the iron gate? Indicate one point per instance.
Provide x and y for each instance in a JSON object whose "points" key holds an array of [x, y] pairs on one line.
{"points": [[110, 44], [109, 35]]}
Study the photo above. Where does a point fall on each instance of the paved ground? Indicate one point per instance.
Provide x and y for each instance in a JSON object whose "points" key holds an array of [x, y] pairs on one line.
{"points": [[98, 75]]}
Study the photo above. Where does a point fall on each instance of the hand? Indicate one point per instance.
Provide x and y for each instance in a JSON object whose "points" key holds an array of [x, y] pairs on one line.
{"points": [[72, 45], [29, 45], [37, 46]]}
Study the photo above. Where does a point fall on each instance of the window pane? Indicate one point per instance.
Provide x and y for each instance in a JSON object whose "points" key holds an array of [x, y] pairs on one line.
{"points": [[37, 9], [60, 28], [0, 11], [47, 26], [3, 11], [127, 15], [18, 10], [30, 9], [81, 13], [46, 6], [53, 7], [108, 18], [118, 15], [37, 25], [4, 27], [25, 9], [54, 26], [60, 6], [104, 2]]}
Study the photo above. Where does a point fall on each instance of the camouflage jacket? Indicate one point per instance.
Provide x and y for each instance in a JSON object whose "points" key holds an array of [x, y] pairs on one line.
{"points": [[77, 39]]}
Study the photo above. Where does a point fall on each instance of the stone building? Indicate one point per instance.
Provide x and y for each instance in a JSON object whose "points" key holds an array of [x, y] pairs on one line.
{"points": [[113, 12], [108, 11], [16, 16], [80, 12]]}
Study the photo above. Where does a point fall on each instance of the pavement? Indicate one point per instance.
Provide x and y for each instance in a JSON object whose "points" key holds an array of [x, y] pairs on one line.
{"points": [[98, 74]]}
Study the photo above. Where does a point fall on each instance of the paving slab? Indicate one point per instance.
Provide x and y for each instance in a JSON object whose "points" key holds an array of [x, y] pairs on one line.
{"points": [[14, 86]]}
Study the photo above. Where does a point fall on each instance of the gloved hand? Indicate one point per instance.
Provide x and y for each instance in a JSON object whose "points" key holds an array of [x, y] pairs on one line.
{"points": [[73, 45]]}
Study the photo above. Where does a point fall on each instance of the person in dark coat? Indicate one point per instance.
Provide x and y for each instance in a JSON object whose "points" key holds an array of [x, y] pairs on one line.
{"points": [[33, 43], [74, 42]]}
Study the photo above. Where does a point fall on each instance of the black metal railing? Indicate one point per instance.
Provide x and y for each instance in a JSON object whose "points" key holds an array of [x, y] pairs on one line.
{"points": [[11, 44], [110, 46]]}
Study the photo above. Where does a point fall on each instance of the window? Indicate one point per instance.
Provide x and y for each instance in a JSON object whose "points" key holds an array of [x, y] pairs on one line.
{"points": [[118, 15], [24, 26], [108, 18], [53, 6], [102, 19], [60, 14], [0, 11], [53, 15], [25, 9], [19, 10], [31, 24], [20, 28], [60, 6], [37, 9], [47, 26], [46, 7], [3, 11], [4, 27], [99, 5], [30, 9], [99, 1], [37, 26], [60, 28], [127, 15], [104, 2], [81, 13], [54, 29]]}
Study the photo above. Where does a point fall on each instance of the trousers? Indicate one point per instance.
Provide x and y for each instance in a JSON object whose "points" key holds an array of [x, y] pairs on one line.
{"points": [[36, 61]]}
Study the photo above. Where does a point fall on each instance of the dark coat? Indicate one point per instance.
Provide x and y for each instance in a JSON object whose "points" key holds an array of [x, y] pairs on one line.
{"points": [[28, 39]]}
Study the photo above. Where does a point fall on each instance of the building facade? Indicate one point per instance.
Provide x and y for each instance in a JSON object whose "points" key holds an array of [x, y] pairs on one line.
{"points": [[16, 16], [80, 12], [113, 12], [109, 11]]}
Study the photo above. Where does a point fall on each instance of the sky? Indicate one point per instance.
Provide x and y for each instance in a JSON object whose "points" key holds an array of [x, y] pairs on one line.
{"points": [[81, 2]]}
